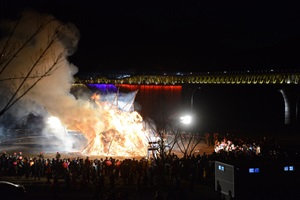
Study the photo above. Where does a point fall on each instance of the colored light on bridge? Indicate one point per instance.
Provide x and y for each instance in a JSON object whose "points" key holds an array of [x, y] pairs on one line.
{"points": [[150, 87], [103, 87]]}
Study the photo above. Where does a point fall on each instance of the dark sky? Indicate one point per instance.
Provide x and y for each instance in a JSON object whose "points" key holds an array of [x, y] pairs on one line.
{"points": [[177, 35]]}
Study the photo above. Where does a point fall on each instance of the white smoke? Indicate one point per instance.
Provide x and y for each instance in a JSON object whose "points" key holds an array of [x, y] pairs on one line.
{"points": [[124, 102], [51, 95]]}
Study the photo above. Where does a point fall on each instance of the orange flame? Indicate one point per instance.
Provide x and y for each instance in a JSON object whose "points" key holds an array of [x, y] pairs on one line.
{"points": [[117, 133]]}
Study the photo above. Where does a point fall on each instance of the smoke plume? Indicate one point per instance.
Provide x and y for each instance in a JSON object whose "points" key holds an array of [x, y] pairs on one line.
{"points": [[38, 43]]}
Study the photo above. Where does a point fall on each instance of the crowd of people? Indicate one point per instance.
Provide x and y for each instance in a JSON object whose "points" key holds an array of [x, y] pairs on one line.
{"points": [[166, 169], [130, 170], [77, 173], [240, 148]]}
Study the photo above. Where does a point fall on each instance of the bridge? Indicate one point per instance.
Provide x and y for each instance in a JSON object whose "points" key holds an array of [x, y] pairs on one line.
{"points": [[179, 78], [288, 82]]}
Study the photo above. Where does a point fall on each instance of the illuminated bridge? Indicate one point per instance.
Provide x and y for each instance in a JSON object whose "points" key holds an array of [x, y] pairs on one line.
{"points": [[287, 82], [256, 77]]}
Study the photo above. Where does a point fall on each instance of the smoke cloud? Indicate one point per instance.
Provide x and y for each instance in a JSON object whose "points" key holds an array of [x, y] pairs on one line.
{"points": [[38, 43], [28, 52]]}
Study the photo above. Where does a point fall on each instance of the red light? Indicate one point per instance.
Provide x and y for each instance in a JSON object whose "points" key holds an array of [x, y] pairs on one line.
{"points": [[150, 87]]}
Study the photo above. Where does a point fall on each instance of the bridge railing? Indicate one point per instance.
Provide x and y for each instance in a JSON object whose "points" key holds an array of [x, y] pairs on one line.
{"points": [[274, 78]]}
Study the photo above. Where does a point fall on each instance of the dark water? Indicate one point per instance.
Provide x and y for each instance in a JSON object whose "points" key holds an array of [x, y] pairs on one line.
{"points": [[243, 109]]}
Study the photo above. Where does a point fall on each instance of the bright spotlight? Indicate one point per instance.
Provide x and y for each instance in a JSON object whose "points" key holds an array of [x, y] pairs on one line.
{"points": [[54, 122], [187, 119]]}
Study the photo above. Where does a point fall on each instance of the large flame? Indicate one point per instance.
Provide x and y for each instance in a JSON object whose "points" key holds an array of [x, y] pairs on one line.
{"points": [[117, 133]]}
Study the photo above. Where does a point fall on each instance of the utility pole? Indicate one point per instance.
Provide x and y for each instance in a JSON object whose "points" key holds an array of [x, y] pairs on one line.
{"points": [[192, 97]]}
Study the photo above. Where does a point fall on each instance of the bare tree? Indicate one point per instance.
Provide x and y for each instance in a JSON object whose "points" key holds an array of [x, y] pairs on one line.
{"points": [[166, 138], [29, 53], [188, 142]]}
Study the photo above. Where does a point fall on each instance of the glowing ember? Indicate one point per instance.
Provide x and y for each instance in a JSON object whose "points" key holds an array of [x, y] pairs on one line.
{"points": [[117, 133]]}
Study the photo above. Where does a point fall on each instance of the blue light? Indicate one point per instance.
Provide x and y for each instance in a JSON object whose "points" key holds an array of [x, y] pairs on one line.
{"points": [[105, 88], [221, 167], [254, 170], [286, 168]]}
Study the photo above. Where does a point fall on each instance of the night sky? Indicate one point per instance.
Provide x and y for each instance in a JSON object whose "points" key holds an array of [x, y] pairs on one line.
{"points": [[188, 36], [177, 35]]}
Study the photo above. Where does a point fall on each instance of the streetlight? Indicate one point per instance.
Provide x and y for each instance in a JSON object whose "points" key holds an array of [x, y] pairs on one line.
{"points": [[187, 119], [192, 97]]}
